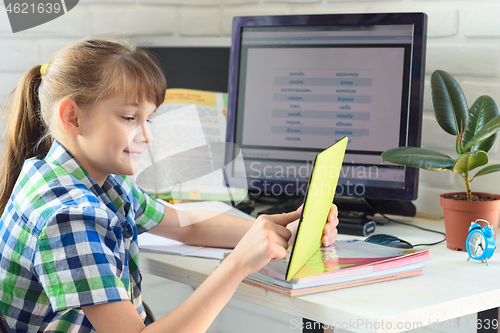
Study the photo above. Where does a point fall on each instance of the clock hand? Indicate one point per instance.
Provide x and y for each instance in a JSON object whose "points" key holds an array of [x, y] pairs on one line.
{"points": [[480, 245]]}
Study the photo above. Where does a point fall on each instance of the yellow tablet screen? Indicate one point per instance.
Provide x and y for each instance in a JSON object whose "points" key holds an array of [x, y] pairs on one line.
{"points": [[317, 205]]}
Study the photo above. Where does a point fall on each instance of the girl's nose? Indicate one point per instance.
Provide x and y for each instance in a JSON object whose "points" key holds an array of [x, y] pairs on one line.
{"points": [[146, 132]]}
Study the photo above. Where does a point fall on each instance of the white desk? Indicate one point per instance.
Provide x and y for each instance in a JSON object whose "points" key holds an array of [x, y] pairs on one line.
{"points": [[450, 287]]}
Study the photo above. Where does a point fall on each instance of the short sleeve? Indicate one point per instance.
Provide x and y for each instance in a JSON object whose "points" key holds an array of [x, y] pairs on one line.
{"points": [[149, 211], [79, 259]]}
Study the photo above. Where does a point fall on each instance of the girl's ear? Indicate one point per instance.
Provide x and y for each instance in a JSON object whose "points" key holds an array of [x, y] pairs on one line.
{"points": [[68, 114]]}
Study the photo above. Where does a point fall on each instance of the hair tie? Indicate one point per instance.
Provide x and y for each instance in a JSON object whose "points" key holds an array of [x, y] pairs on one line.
{"points": [[43, 69]]}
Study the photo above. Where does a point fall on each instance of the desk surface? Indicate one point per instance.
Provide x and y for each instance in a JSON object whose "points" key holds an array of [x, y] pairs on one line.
{"points": [[450, 287]]}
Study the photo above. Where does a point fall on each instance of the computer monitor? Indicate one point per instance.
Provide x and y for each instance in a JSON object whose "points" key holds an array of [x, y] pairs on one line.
{"points": [[299, 83]]}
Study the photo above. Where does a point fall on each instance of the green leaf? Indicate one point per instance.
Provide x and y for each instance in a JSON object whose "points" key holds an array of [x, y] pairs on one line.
{"points": [[448, 102], [487, 170], [469, 161], [418, 158], [483, 110], [490, 128]]}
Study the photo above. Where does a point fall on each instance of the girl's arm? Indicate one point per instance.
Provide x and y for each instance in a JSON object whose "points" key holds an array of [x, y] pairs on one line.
{"points": [[221, 230], [266, 239], [202, 227]]}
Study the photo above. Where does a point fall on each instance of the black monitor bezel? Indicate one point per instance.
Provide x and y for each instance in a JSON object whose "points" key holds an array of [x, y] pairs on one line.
{"points": [[414, 115]]}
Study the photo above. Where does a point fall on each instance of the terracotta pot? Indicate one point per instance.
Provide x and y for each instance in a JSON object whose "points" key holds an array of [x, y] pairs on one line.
{"points": [[458, 215]]}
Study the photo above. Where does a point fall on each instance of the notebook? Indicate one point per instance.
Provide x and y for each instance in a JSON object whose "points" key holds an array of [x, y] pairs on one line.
{"points": [[317, 204]]}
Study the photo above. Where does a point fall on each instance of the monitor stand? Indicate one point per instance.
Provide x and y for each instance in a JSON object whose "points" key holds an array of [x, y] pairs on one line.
{"points": [[372, 206], [355, 214], [281, 205]]}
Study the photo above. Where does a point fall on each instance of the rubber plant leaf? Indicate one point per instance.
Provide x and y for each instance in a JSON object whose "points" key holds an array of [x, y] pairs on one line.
{"points": [[448, 102], [418, 158], [470, 161], [480, 113], [489, 169], [490, 128]]}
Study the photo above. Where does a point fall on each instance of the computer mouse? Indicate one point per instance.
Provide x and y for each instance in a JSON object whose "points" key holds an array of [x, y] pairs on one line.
{"points": [[388, 240]]}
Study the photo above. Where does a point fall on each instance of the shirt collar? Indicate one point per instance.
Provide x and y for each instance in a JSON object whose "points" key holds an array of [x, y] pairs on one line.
{"points": [[60, 156]]}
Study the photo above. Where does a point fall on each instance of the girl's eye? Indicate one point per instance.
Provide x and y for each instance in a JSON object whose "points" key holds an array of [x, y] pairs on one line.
{"points": [[128, 119]]}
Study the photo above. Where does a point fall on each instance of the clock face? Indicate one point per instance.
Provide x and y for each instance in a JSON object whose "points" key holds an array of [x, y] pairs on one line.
{"points": [[477, 244]]}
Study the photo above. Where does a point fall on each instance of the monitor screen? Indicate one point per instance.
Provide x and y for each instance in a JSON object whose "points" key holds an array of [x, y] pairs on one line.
{"points": [[298, 84]]}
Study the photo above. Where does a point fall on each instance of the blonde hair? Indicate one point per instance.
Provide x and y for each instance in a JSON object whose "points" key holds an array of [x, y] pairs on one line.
{"points": [[86, 71]]}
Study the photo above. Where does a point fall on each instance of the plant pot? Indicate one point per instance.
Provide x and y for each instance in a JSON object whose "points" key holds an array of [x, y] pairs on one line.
{"points": [[458, 215]]}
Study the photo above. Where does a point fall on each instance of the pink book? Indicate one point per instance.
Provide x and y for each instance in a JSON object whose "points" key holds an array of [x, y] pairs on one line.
{"points": [[347, 258]]}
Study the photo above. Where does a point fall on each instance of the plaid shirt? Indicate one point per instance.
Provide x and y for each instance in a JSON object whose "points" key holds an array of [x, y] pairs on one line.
{"points": [[67, 243]]}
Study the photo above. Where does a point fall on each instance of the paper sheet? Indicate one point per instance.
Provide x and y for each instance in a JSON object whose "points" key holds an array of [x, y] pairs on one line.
{"points": [[156, 243]]}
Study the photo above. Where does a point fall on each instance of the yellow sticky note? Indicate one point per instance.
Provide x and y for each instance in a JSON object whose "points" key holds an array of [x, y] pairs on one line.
{"points": [[187, 96], [194, 195]]}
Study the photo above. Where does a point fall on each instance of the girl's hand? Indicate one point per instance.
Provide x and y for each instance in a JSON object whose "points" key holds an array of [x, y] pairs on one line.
{"points": [[329, 232], [266, 240], [330, 229]]}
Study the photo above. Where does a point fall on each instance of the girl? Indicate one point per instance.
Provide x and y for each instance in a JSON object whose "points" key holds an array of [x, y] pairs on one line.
{"points": [[69, 253]]}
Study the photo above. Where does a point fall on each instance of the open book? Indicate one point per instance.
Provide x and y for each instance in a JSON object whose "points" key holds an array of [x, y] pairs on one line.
{"points": [[186, 158]]}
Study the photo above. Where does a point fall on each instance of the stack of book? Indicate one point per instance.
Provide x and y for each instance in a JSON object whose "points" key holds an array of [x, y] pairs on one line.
{"points": [[341, 265]]}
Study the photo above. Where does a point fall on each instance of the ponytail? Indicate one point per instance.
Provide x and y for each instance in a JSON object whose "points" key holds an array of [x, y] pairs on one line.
{"points": [[26, 133]]}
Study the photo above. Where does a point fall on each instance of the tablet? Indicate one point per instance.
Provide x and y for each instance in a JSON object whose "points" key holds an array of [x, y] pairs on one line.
{"points": [[317, 204]]}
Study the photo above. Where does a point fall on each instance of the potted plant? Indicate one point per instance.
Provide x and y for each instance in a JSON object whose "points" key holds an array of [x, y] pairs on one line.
{"points": [[475, 129]]}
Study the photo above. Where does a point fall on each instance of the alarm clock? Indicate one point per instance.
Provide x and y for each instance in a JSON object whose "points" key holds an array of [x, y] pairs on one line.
{"points": [[480, 242]]}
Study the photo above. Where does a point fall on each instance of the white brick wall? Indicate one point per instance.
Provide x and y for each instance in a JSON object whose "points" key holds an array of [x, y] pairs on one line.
{"points": [[239, 2], [183, 2], [231, 11], [443, 21], [464, 39], [7, 84], [482, 21], [17, 55], [200, 22], [460, 59], [132, 20]]}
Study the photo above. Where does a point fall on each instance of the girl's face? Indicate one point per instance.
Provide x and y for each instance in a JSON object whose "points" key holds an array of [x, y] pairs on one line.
{"points": [[114, 134]]}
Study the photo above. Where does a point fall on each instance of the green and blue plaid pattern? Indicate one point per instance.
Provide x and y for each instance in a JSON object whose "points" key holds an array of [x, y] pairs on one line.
{"points": [[66, 243]]}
